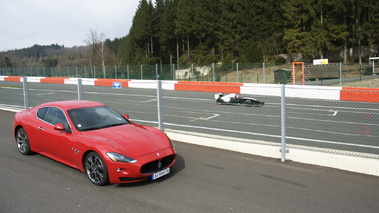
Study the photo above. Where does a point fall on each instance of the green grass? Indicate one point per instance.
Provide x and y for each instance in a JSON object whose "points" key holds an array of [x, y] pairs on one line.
{"points": [[10, 86]]}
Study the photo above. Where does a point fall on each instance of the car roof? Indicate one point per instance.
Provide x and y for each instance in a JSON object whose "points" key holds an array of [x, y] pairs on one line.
{"points": [[72, 104]]}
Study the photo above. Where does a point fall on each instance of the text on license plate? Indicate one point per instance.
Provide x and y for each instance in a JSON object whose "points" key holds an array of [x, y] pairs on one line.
{"points": [[160, 174]]}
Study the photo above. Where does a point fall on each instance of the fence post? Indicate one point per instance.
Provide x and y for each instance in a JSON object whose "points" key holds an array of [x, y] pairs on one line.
{"points": [[193, 75], [213, 72], [340, 74], [173, 72], [25, 91], [160, 105], [115, 71], [264, 72], [141, 72], [283, 149], [237, 72], [360, 72], [80, 89], [156, 72], [127, 72]]}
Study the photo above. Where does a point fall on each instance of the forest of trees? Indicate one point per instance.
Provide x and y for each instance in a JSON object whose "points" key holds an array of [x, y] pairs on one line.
{"points": [[245, 31]]}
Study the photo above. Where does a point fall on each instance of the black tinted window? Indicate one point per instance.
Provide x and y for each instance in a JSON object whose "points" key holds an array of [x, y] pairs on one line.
{"points": [[41, 114], [55, 115]]}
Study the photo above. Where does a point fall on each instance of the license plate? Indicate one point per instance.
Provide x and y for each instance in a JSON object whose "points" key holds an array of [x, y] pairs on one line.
{"points": [[160, 174]]}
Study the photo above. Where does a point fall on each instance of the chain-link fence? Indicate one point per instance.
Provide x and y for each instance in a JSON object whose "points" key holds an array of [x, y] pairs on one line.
{"points": [[329, 74], [315, 118]]}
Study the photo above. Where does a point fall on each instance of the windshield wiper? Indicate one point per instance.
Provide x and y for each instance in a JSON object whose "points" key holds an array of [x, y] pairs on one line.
{"points": [[102, 127], [111, 125]]}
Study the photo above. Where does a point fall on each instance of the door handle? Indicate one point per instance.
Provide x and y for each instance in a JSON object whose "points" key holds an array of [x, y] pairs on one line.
{"points": [[41, 128]]}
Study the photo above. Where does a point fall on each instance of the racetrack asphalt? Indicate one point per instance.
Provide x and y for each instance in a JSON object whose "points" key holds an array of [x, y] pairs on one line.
{"points": [[203, 180]]}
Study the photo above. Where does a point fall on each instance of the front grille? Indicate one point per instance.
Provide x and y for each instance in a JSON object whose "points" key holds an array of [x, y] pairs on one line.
{"points": [[157, 165]]}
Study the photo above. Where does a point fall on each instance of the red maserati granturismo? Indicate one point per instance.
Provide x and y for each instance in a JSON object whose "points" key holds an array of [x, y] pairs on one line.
{"points": [[95, 139]]}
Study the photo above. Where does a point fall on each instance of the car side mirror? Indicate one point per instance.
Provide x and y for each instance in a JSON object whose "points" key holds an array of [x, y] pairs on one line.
{"points": [[59, 126], [126, 116]]}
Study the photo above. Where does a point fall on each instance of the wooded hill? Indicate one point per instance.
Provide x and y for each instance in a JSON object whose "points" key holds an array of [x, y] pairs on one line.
{"points": [[206, 31]]}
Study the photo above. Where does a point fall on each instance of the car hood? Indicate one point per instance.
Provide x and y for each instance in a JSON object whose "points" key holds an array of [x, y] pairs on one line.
{"points": [[131, 139]]}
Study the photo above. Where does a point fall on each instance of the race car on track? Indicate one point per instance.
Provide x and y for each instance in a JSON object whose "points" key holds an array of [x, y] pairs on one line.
{"points": [[95, 139], [235, 99]]}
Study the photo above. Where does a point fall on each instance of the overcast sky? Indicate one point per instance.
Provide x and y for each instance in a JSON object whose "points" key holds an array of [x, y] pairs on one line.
{"points": [[24, 23]]}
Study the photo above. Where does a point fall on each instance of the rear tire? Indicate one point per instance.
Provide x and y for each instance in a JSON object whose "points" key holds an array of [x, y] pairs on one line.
{"points": [[219, 101], [22, 141]]}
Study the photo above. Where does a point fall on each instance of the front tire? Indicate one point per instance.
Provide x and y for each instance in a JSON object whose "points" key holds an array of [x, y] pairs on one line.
{"points": [[22, 140], [96, 169]]}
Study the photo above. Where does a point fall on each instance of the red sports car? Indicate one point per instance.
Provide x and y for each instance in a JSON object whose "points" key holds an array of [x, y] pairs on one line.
{"points": [[95, 139]]}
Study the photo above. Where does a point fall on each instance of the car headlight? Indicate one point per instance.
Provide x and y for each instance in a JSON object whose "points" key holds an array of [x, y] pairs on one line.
{"points": [[120, 158], [172, 144]]}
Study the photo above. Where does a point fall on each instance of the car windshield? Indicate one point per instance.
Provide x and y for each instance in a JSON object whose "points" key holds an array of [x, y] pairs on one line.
{"points": [[92, 118]]}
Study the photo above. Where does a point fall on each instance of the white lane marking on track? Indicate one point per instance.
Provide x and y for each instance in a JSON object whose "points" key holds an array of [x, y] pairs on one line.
{"points": [[46, 93], [151, 100], [294, 106], [213, 116], [334, 112]]}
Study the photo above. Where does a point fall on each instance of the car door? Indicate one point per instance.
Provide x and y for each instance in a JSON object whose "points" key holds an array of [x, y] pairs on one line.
{"points": [[56, 143]]}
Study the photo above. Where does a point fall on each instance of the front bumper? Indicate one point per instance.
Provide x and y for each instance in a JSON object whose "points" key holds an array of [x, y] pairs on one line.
{"points": [[145, 166]]}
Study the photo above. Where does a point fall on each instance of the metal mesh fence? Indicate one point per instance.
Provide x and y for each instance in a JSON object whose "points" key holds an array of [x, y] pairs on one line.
{"points": [[329, 74], [335, 126], [315, 120], [198, 113]]}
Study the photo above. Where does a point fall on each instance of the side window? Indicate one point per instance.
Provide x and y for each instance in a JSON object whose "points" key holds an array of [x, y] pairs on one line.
{"points": [[41, 114], [55, 115]]}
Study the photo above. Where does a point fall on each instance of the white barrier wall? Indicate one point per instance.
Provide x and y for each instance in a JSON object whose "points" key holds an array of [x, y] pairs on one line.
{"points": [[295, 91], [261, 89], [85, 81], [32, 79], [151, 84], [314, 92]]}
